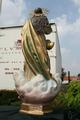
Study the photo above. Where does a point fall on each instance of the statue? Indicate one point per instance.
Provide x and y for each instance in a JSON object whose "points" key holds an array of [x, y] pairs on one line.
{"points": [[35, 85]]}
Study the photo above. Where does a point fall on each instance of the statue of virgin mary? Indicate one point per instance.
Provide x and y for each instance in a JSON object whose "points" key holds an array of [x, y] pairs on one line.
{"points": [[36, 85]]}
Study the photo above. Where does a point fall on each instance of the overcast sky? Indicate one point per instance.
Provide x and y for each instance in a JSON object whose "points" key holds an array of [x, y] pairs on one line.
{"points": [[65, 13]]}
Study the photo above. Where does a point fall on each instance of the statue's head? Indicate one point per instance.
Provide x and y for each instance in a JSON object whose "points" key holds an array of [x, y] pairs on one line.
{"points": [[38, 11]]}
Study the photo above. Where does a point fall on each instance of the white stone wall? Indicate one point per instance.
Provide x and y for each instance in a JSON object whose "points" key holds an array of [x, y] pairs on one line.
{"points": [[11, 57], [55, 53]]}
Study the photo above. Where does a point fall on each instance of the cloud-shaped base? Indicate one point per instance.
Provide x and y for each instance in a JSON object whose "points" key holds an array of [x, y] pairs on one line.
{"points": [[37, 90]]}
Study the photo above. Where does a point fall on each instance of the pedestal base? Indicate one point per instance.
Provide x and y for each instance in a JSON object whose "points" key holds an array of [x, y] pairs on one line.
{"points": [[36, 109]]}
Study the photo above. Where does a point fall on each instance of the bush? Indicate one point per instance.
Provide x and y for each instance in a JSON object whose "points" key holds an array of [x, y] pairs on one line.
{"points": [[72, 96], [69, 96], [9, 97]]}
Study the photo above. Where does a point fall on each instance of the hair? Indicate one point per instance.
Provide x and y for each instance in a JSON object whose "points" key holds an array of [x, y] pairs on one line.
{"points": [[38, 11]]}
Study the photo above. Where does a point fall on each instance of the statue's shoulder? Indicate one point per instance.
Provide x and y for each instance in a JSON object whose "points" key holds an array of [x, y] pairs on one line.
{"points": [[24, 28]]}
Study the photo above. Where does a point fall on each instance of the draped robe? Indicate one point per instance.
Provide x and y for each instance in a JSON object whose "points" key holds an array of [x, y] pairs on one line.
{"points": [[35, 52]]}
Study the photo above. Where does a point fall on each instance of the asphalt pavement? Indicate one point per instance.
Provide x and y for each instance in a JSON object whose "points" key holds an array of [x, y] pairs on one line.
{"points": [[12, 113]]}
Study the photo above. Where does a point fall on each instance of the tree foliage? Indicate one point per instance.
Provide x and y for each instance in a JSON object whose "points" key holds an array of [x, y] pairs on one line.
{"points": [[72, 96], [9, 97]]}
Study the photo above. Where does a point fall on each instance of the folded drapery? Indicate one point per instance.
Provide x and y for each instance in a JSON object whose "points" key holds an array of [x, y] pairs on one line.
{"points": [[34, 51]]}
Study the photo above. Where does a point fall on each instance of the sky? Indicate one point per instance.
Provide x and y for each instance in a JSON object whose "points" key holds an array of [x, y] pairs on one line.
{"points": [[65, 13]]}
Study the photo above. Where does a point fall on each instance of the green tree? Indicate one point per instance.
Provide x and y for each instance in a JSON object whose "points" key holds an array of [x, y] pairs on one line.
{"points": [[72, 96]]}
